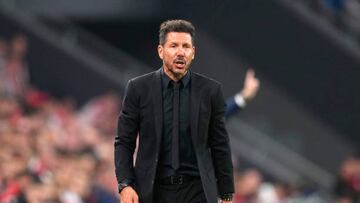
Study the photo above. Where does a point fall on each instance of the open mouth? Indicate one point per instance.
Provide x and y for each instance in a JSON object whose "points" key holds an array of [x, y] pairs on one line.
{"points": [[180, 63]]}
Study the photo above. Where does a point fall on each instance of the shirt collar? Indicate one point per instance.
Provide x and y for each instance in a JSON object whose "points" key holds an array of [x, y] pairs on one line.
{"points": [[167, 81]]}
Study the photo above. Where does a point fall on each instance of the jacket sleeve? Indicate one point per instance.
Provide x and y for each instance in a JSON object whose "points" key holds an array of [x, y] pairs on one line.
{"points": [[231, 107], [125, 140], [219, 144]]}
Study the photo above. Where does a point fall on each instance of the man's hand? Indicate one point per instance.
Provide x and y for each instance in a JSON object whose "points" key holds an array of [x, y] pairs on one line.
{"points": [[128, 195], [251, 86]]}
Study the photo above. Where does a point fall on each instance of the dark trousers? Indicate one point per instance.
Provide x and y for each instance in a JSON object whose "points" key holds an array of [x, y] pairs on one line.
{"points": [[189, 192]]}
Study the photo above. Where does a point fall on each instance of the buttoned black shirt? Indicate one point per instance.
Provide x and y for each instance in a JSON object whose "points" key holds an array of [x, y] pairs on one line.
{"points": [[188, 163]]}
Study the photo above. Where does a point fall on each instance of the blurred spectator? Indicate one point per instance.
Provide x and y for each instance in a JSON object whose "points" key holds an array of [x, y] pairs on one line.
{"points": [[246, 186], [244, 96], [347, 188], [102, 112], [274, 193], [15, 76]]}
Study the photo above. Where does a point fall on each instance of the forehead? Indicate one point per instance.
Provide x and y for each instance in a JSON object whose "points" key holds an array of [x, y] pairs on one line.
{"points": [[179, 37]]}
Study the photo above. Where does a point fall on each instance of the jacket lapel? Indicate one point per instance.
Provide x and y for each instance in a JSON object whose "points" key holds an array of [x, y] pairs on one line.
{"points": [[157, 105]]}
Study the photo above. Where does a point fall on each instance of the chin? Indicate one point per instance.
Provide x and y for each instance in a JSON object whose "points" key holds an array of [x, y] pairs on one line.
{"points": [[178, 70], [182, 72]]}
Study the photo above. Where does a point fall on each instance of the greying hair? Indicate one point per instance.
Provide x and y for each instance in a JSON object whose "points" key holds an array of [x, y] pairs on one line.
{"points": [[176, 26]]}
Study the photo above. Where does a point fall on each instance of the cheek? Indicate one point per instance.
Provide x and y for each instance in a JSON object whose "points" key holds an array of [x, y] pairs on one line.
{"points": [[168, 56]]}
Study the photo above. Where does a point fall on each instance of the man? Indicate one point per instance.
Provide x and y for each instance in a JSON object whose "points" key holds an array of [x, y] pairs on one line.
{"points": [[183, 151]]}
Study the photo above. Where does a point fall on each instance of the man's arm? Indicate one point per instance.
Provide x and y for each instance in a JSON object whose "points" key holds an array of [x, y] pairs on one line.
{"points": [[219, 145], [239, 100], [125, 140]]}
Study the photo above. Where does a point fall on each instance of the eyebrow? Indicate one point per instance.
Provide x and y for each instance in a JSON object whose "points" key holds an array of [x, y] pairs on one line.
{"points": [[175, 42]]}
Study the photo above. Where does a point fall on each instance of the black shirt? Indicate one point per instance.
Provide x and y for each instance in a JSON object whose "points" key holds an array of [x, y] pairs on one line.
{"points": [[188, 163]]}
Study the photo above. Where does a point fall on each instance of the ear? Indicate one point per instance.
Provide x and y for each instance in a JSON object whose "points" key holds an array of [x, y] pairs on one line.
{"points": [[193, 53], [160, 49]]}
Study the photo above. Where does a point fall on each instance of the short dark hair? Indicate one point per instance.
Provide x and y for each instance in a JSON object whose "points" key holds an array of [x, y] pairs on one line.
{"points": [[176, 26]]}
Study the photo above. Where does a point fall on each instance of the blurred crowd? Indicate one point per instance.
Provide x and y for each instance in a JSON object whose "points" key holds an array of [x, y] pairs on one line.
{"points": [[344, 14], [52, 151]]}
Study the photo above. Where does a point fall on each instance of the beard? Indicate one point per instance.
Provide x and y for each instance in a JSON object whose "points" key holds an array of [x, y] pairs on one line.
{"points": [[176, 71]]}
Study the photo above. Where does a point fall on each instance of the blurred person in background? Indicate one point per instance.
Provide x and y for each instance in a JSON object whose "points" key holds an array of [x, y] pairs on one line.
{"points": [[244, 96], [347, 187], [277, 192], [247, 185], [16, 76], [3, 53], [101, 111]]}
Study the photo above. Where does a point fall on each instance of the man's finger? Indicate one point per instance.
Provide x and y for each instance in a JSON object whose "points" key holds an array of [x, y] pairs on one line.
{"points": [[250, 73]]}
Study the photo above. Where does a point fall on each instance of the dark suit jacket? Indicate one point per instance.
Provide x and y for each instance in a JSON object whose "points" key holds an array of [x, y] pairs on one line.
{"points": [[142, 114]]}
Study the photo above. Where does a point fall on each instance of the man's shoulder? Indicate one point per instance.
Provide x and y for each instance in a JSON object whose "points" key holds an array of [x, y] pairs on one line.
{"points": [[205, 79], [144, 78]]}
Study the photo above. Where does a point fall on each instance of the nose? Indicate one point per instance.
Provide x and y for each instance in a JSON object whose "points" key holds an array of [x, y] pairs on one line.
{"points": [[180, 51]]}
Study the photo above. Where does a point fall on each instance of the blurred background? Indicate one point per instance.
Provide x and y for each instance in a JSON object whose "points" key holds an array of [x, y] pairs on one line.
{"points": [[64, 65]]}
